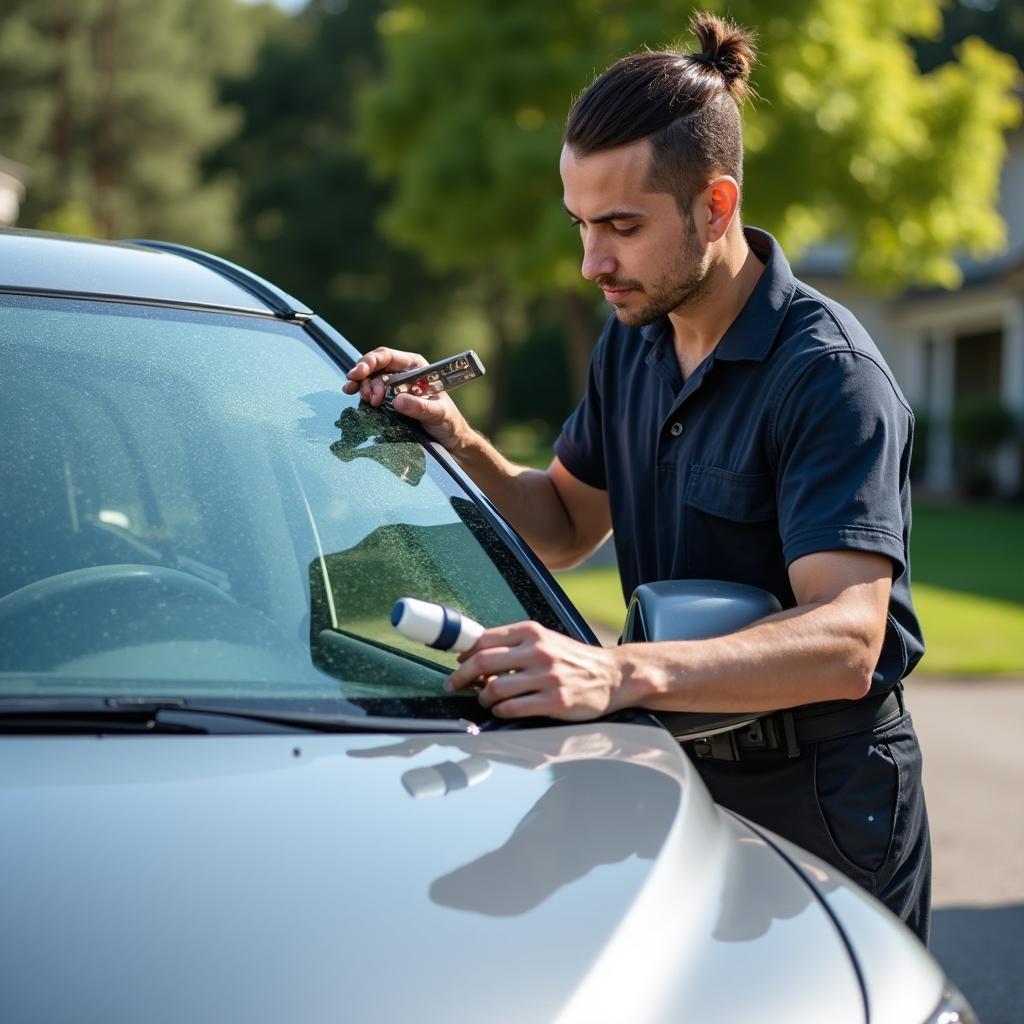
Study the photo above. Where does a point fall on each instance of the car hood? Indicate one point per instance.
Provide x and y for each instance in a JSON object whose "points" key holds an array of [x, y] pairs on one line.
{"points": [[575, 873]]}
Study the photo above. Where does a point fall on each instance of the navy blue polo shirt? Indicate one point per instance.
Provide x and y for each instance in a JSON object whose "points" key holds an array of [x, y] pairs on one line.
{"points": [[791, 437]]}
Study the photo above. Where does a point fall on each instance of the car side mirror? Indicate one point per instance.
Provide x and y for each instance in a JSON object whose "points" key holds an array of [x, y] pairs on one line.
{"points": [[693, 610]]}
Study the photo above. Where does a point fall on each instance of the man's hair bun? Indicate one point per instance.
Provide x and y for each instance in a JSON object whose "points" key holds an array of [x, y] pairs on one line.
{"points": [[687, 104], [727, 49]]}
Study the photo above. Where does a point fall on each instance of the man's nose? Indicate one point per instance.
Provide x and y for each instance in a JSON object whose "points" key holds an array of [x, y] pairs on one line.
{"points": [[597, 262]]}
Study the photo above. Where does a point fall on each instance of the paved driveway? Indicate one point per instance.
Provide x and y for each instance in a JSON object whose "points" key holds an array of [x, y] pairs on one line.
{"points": [[972, 735]]}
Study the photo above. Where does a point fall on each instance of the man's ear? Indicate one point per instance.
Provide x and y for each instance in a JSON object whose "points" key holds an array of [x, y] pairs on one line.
{"points": [[717, 206]]}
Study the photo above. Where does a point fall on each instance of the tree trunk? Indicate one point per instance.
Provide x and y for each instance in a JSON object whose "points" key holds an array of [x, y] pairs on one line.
{"points": [[580, 335], [104, 43], [62, 126], [497, 363]]}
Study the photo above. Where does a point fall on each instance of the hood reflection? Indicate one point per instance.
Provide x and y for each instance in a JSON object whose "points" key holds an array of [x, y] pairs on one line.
{"points": [[596, 812], [446, 777], [749, 904], [612, 794]]}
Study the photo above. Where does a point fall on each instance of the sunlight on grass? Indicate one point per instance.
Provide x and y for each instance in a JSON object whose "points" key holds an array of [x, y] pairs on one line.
{"points": [[969, 635], [597, 593], [965, 634]]}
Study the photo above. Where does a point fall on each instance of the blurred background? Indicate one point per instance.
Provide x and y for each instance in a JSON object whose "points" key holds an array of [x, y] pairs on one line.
{"points": [[394, 165]]}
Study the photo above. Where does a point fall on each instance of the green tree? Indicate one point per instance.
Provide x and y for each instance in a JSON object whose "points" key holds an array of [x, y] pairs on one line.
{"points": [[903, 164], [113, 104], [308, 209], [999, 22], [849, 137]]}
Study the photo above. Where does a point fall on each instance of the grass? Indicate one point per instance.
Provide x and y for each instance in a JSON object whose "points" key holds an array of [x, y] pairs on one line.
{"points": [[968, 589], [597, 593], [973, 549]]}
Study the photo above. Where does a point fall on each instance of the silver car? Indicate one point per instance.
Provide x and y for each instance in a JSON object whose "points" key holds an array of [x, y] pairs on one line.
{"points": [[230, 791]]}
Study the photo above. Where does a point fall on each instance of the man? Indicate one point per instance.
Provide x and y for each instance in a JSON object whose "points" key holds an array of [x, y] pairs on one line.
{"points": [[736, 426]]}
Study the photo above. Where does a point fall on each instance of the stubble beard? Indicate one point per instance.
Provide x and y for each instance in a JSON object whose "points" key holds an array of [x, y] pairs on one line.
{"points": [[684, 283]]}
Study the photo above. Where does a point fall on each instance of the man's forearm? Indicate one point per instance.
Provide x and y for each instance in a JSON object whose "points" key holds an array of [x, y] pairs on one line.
{"points": [[804, 655], [824, 649], [525, 497], [528, 498]]}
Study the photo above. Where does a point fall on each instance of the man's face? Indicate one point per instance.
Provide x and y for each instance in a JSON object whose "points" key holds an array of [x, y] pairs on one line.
{"points": [[647, 259]]}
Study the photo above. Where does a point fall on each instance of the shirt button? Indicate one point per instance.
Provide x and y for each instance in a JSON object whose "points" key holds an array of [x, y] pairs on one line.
{"points": [[676, 429]]}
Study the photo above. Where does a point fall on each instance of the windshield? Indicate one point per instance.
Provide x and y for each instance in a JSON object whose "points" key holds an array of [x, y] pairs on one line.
{"points": [[190, 506]]}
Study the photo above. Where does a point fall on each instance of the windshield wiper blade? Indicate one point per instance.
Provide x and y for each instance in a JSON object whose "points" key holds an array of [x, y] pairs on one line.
{"points": [[177, 715], [314, 721], [83, 715]]}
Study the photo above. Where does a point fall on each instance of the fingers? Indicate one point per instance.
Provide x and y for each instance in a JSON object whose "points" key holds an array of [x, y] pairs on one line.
{"points": [[429, 411], [532, 705], [499, 649], [490, 662], [365, 378], [505, 636], [514, 667], [503, 688], [504, 692], [438, 413], [526, 669], [380, 359], [526, 693]]}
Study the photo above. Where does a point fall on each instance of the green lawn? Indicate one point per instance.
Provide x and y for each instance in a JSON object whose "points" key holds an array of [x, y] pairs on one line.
{"points": [[968, 588]]}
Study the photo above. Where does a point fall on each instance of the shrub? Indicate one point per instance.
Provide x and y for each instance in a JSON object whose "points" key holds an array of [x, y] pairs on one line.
{"points": [[980, 426]]}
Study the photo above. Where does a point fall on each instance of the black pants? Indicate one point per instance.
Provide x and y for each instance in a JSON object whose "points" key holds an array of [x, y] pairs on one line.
{"points": [[855, 802]]}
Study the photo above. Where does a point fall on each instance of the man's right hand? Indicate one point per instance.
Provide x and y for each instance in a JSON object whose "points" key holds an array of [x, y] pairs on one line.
{"points": [[438, 414], [563, 518]]}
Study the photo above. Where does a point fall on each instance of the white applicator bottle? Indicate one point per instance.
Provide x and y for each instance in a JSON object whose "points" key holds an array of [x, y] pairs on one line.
{"points": [[435, 625]]}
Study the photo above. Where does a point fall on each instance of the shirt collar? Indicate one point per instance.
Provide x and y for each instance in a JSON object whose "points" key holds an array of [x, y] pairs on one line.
{"points": [[753, 332], [657, 331]]}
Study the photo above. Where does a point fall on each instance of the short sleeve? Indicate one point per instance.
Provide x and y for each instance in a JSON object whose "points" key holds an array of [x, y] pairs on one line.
{"points": [[842, 436], [580, 445]]}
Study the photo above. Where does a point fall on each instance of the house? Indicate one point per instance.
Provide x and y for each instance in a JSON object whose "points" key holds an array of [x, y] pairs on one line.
{"points": [[13, 178], [947, 345]]}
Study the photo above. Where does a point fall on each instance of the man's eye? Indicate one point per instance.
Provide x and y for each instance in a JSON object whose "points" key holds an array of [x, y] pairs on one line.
{"points": [[575, 222], [626, 232]]}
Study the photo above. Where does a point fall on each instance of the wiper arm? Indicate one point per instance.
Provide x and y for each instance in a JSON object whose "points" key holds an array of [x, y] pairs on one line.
{"points": [[42, 715], [177, 715], [314, 721]]}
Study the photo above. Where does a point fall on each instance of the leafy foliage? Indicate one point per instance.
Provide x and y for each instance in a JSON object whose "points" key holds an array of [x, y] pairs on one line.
{"points": [[999, 22], [849, 137], [852, 139], [982, 424], [112, 104], [308, 209]]}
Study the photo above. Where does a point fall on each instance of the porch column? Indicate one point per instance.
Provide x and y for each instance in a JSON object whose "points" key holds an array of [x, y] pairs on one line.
{"points": [[915, 369], [1011, 386], [939, 473]]}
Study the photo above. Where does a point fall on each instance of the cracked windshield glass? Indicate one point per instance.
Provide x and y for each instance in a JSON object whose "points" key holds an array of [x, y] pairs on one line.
{"points": [[192, 507]]}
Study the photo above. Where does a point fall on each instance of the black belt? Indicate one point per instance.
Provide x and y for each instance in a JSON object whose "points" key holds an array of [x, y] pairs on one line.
{"points": [[783, 733]]}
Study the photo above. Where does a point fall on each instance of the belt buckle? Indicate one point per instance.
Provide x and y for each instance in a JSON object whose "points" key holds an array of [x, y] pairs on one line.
{"points": [[758, 734], [773, 732], [721, 746]]}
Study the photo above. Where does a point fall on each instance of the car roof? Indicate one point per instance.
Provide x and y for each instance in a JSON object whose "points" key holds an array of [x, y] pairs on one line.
{"points": [[154, 272]]}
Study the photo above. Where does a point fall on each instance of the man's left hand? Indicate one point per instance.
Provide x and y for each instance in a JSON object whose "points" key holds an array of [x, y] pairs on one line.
{"points": [[525, 669]]}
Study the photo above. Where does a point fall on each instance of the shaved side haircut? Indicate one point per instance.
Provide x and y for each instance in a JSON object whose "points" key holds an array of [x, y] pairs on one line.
{"points": [[687, 104]]}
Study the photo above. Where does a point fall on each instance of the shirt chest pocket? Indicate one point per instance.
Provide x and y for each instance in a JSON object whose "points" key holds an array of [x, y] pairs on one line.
{"points": [[732, 528]]}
